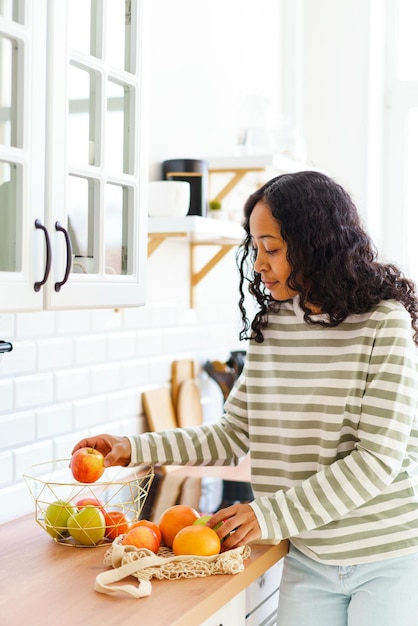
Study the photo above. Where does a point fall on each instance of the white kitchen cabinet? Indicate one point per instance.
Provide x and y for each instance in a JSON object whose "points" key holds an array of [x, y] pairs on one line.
{"points": [[232, 614], [262, 598], [22, 152], [73, 176], [255, 606]]}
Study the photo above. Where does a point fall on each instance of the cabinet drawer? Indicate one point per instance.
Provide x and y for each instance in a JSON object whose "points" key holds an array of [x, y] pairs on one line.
{"points": [[232, 614], [262, 597], [266, 613], [263, 587]]}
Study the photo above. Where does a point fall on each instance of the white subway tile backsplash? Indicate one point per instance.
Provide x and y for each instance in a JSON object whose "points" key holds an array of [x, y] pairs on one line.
{"points": [[54, 420], [62, 446], [74, 322], [121, 346], [135, 426], [89, 412], [90, 349], [27, 456], [106, 320], [6, 468], [7, 326], [198, 337], [136, 317], [21, 360], [17, 429], [186, 316], [55, 354], [6, 396], [72, 384], [123, 404], [105, 378], [16, 501], [175, 340], [149, 342], [160, 370], [33, 391], [135, 372], [164, 314], [36, 324]]}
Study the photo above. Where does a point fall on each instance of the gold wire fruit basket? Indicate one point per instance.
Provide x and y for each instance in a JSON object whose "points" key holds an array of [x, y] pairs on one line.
{"points": [[83, 514]]}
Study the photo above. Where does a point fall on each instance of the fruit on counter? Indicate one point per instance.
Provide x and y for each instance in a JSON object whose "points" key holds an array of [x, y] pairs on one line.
{"points": [[56, 518], [116, 524], [87, 526], [203, 519], [174, 519], [87, 465], [197, 540], [90, 501], [145, 522], [142, 537]]}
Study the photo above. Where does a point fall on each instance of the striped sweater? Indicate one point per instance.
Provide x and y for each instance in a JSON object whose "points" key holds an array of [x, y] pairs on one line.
{"points": [[329, 416]]}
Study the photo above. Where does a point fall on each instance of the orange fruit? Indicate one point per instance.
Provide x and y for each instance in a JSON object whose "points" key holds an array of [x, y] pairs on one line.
{"points": [[174, 519], [142, 537], [116, 524], [145, 522], [197, 540]]}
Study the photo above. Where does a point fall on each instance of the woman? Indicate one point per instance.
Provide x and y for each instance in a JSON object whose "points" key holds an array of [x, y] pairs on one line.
{"points": [[327, 407]]}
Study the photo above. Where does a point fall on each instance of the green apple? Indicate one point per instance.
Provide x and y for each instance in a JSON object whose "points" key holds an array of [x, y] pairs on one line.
{"points": [[87, 526], [203, 519], [56, 518]]}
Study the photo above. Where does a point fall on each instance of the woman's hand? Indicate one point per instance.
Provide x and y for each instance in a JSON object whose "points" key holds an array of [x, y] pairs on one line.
{"points": [[239, 520], [116, 450]]}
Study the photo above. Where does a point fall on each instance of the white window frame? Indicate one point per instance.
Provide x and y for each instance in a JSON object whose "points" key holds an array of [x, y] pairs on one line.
{"points": [[400, 97]]}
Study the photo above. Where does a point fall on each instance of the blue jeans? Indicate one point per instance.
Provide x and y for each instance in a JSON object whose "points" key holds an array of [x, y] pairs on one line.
{"points": [[384, 593]]}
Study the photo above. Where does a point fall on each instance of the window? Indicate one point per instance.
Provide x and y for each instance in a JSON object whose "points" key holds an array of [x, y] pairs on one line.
{"points": [[402, 128]]}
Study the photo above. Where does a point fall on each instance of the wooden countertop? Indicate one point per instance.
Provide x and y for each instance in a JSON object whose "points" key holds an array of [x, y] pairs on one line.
{"points": [[47, 583]]}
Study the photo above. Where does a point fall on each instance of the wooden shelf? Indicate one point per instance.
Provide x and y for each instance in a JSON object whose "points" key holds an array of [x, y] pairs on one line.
{"points": [[240, 166], [195, 231], [202, 231], [255, 162]]}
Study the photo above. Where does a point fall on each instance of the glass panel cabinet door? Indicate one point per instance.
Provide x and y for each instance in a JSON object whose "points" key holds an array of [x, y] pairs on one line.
{"points": [[23, 251], [94, 155], [72, 208]]}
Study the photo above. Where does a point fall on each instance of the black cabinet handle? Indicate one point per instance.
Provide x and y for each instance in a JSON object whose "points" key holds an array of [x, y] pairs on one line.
{"points": [[61, 228], [37, 286]]}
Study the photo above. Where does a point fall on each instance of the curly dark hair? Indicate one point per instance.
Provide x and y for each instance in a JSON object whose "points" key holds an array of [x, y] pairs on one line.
{"points": [[333, 260]]}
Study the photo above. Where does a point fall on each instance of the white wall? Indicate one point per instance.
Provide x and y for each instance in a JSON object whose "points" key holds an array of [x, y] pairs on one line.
{"points": [[342, 79], [216, 67]]}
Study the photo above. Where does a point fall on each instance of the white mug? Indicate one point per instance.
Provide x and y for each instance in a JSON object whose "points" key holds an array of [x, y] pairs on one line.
{"points": [[168, 198]]}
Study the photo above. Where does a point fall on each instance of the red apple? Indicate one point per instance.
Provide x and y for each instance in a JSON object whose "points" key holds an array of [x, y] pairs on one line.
{"points": [[87, 465], [90, 502], [142, 537], [117, 524]]}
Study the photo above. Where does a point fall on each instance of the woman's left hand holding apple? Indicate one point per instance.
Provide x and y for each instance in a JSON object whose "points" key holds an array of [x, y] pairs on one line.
{"points": [[116, 450], [240, 525]]}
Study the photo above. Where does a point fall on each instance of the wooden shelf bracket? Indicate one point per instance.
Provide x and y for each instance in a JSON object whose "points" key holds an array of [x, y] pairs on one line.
{"points": [[197, 276]]}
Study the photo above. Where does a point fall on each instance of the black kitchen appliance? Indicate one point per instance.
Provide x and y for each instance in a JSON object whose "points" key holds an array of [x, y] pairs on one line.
{"points": [[195, 172]]}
